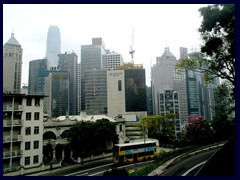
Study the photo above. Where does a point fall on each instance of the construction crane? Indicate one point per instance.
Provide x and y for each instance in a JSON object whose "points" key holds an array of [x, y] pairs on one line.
{"points": [[131, 49]]}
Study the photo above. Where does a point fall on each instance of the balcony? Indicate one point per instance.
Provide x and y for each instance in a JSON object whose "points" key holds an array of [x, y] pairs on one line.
{"points": [[15, 138], [9, 123], [13, 154], [9, 107]]}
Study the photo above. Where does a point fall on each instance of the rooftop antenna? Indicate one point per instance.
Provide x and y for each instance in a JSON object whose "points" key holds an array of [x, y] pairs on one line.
{"points": [[12, 31], [131, 49]]}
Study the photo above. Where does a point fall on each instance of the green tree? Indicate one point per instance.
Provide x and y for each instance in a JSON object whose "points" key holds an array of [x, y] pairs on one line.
{"points": [[218, 51], [81, 138], [105, 131], [160, 127], [223, 122]]}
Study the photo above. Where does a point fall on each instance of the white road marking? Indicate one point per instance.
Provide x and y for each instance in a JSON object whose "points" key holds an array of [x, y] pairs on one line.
{"points": [[188, 171], [87, 170]]}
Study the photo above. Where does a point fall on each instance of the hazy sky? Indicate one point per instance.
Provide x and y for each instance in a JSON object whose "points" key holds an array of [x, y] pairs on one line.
{"points": [[155, 27]]}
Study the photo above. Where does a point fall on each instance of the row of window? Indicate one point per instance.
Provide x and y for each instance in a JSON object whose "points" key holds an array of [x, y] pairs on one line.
{"points": [[29, 115], [28, 130], [28, 145], [28, 160], [29, 102]]}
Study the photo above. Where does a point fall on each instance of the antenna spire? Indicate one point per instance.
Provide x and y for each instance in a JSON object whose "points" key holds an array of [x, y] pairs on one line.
{"points": [[132, 51], [12, 31]]}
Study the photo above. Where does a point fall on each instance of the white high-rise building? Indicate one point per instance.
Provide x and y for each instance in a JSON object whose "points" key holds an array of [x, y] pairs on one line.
{"points": [[12, 66], [166, 78], [53, 46], [111, 60]]}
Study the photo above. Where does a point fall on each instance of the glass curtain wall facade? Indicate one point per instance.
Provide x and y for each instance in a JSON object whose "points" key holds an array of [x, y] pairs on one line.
{"points": [[135, 90]]}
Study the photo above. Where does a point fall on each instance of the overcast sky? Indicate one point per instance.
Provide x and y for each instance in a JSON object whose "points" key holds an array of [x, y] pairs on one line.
{"points": [[155, 27]]}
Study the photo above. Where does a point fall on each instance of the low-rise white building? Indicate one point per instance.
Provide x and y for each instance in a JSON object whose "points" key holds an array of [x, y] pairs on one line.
{"points": [[22, 131]]}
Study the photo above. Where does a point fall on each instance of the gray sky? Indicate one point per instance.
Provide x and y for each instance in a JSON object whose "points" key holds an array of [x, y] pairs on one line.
{"points": [[155, 26]]}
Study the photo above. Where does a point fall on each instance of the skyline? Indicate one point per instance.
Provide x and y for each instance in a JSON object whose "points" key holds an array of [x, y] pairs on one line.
{"points": [[161, 25]]}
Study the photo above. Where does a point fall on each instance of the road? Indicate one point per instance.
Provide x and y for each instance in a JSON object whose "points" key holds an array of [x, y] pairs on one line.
{"points": [[189, 166]]}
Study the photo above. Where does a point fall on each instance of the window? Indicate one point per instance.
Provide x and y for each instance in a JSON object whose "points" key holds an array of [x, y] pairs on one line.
{"points": [[120, 127], [28, 116], [36, 130], [28, 131], [29, 102], [27, 145], [36, 116], [27, 160], [37, 102], [36, 144], [119, 85], [35, 159]]}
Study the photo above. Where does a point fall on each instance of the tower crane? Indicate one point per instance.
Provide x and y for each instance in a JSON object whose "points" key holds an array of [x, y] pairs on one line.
{"points": [[132, 51]]}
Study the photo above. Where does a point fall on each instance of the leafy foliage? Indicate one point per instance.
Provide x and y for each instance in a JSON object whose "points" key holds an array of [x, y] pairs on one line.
{"points": [[198, 132], [86, 136], [159, 126], [218, 52]]}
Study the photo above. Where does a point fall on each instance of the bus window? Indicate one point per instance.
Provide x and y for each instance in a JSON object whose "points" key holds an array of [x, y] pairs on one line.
{"points": [[129, 156]]}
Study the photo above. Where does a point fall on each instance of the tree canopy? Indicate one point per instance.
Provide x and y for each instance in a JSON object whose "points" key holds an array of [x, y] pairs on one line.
{"points": [[217, 57], [86, 136]]}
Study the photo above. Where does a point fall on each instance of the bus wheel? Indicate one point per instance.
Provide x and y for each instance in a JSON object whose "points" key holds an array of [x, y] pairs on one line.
{"points": [[149, 158], [144, 159], [126, 162]]}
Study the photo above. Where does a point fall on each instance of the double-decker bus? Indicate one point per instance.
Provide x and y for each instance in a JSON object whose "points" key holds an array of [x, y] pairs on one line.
{"points": [[134, 152]]}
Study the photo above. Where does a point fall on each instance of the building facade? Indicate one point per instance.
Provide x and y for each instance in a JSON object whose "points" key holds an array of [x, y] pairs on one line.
{"points": [[22, 131], [12, 65], [35, 85], [53, 45], [165, 77], [91, 65], [57, 89], [68, 63], [111, 60], [126, 92]]}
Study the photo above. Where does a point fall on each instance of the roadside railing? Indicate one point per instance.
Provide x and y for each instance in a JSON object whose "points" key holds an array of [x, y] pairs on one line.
{"points": [[179, 154]]}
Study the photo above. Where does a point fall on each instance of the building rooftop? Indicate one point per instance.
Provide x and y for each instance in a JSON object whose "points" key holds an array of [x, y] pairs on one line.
{"points": [[167, 53], [13, 41]]}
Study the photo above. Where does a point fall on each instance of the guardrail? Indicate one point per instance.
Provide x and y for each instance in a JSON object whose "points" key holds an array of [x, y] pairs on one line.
{"points": [[178, 154]]}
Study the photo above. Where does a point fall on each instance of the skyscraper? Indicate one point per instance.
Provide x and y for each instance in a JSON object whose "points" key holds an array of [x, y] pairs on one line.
{"points": [[34, 85], [53, 45], [111, 60], [91, 67], [68, 63], [12, 65], [126, 91], [168, 81]]}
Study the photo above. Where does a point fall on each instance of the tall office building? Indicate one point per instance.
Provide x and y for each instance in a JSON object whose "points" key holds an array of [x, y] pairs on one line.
{"points": [[57, 88], [53, 45], [12, 65], [91, 64], [126, 92], [35, 86], [167, 79], [95, 88], [79, 88], [68, 63], [201, 100], [111, 60]]}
